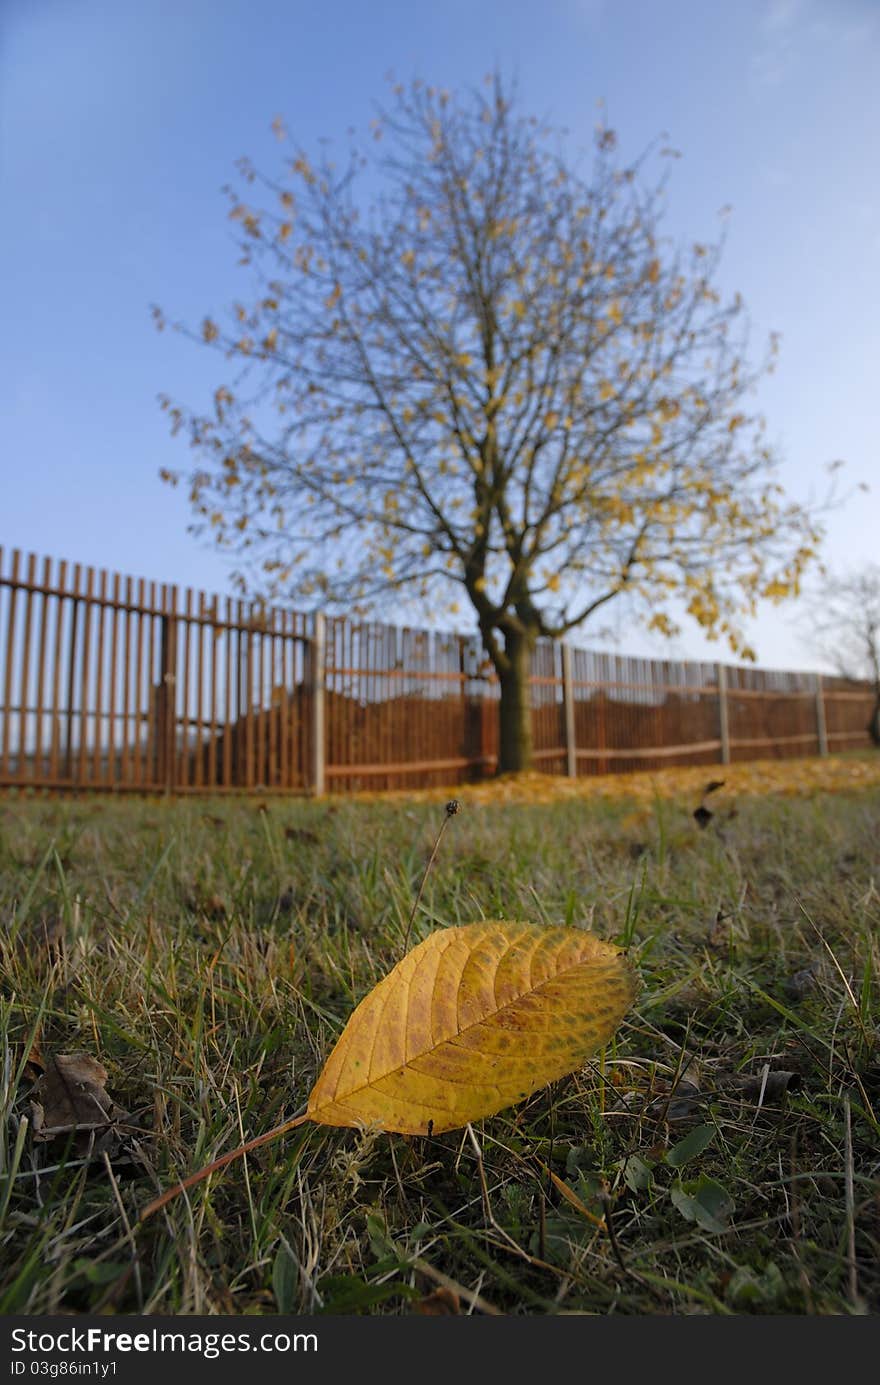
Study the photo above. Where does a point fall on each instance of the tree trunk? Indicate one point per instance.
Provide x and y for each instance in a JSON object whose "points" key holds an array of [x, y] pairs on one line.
{"points": [[515, 708]]}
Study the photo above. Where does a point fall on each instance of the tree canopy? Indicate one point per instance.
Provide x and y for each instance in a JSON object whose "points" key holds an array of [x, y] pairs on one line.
{"points": [[496, 380]]}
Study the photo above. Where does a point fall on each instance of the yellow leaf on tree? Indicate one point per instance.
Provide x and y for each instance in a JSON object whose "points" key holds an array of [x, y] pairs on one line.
{"points": [[472, 1020]]}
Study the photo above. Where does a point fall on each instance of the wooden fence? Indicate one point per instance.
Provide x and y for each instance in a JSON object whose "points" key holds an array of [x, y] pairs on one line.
{"points": [[110, 682]]}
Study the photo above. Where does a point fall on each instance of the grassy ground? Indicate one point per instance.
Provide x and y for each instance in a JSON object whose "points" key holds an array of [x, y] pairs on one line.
{"points": [[721, 1156]]}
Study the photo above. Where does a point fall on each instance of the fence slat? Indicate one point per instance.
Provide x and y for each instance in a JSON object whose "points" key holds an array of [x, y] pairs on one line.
{"points": [[41, 673], [10, 664], [57, 653], [24, 677], [317, 693], [99, 682]]}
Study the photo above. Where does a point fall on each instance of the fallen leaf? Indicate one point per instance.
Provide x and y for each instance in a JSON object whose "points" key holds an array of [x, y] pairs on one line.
{"points": [[713, 785], [800, 983], [301, 834], [682, 1101], [442, 1303], [472, 1020], [70, 1096], [755, 1087], [212, 906], [35, 1063]]}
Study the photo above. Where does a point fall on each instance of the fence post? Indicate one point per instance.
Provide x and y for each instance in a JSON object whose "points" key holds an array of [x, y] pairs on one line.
{"points": [[723, 718], [319, 639], [568, 700], [166, 709], [821, 726]]}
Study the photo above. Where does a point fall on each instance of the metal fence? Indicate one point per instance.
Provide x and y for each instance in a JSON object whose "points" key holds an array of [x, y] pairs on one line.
{"points": [[111, 682]]}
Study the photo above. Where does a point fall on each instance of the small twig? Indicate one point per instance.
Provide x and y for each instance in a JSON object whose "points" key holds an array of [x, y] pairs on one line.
{"points": [[452, 807], [484, 1187]]}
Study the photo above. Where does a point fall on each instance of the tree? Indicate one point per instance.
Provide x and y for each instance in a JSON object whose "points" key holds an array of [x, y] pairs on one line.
{"points": [[497, 378], [845, 630]]}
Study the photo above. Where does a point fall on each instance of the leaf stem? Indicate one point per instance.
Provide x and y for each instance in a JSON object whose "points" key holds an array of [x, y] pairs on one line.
{"points": [[201, 1174]]}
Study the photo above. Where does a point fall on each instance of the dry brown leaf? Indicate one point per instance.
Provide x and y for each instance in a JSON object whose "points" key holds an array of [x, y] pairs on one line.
{"points": [[681, 1100], [301, 834], [800, 983], [35, 1063], [766, 1088], [212, 906], [442, 1303], [472, 1020], [70, 1096]]}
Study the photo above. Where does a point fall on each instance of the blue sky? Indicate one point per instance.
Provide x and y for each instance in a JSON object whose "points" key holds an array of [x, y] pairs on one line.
{"points": [[121, 120]]}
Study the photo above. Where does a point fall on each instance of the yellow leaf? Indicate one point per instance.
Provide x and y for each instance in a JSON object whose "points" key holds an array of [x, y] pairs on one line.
{"points": [[472, 1020], [777, 590]]}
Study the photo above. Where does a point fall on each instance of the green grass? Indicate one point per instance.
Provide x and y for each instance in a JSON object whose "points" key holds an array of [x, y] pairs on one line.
{"points": [[208, 954]]}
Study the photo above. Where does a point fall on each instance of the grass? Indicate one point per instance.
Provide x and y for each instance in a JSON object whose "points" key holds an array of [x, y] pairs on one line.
{"points": [[721, 1156]]}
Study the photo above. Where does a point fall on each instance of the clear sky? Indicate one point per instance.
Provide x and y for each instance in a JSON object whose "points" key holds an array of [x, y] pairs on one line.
{"points": [[121, 120]]}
